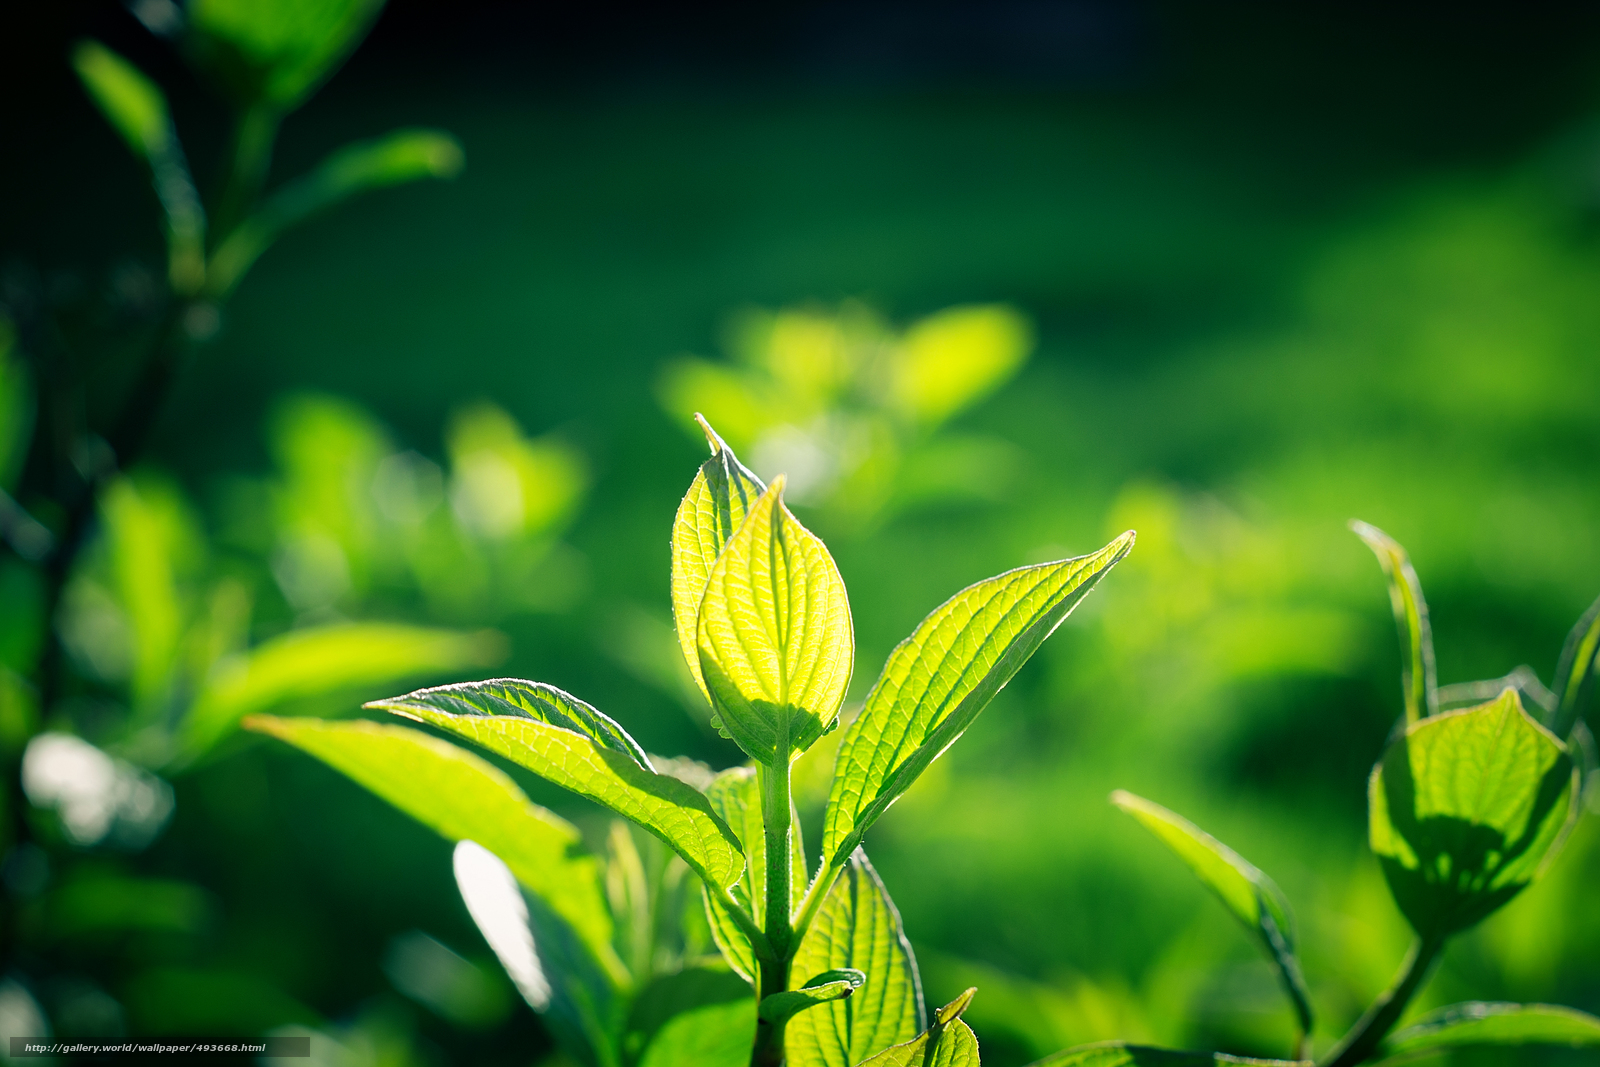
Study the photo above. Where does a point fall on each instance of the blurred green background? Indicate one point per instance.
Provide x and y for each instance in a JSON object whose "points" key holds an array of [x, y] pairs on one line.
{"points": [[1266, 270]]}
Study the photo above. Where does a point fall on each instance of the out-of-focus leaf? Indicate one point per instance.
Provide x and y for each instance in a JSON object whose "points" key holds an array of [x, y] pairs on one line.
{"points": [[937, 681], [774, 633], [948, 1042], [1522, 679], [1253, 898], [1121, 1054], [504, 485], [19, 712], [1466, 809], [735, 795], [464, 798], [714, 507], [604, 765], [325, 659], [276, 51], [95, 905], [137, 109], [828, 986], [1479, 1024], [1575, 671], [489, 889], [1418, 677], [954, 358], [689, 991], [716, 1035], [16, 406], [857, 927], [397, 158]]}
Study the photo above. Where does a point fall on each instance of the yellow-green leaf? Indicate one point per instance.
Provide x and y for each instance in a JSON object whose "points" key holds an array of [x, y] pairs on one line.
{"points": [[559, 737], [1480, 1024], [949, 1042], [953, 358], [1575, 671], [828, 986], [1466, 808], [1252, 897], [938, 680], [775, 639], [1418, 678]]}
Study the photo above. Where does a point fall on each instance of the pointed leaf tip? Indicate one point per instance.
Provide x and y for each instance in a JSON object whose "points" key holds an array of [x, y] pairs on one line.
{"points": [[956, 1008]]}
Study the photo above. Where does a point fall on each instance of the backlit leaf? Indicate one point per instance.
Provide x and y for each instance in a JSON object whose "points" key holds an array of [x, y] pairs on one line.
{"points": [[856, 927], [1466, 808], [825, 987], [276, 51], [774, 633], [953, 358], [559, 737], [1489, 1024], [1252, 897], [1418, 678], [716, 1035], [938, 680], [1575, 671], [949, 1042]]}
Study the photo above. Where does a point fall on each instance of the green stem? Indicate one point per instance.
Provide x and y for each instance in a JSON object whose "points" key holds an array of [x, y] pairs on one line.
{"points": [[776, 818], [1362, 1040], [253, 136], [815, 895]]}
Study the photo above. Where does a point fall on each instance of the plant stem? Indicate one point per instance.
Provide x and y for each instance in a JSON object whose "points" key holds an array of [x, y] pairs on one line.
{"points": [[776, 808], [253, 137], [1362, 1040]]}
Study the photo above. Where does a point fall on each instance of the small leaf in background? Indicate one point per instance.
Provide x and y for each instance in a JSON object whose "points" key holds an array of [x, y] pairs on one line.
{"points": [[608, 772], [464, 798], [857, 927], [1121, 1054], [948, 1042], [503, 484], [490, 893], [937, 681], [1418, 678], [775, 638], [325, 659], [1575, 671], [1481, 1024], [714, 507], [955, 357], [1466, 808], [1252, 897], [828, 986], [276, 51]]}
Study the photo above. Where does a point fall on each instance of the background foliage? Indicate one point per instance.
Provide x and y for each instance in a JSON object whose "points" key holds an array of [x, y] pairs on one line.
{"points": [[1247, 275]]}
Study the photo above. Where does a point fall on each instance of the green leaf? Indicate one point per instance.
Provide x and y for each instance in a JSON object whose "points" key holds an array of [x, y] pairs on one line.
{"points": [[137, 109], [689, 991], [857, 927], [276, 51], [717, 1035], [828, 986], [714, 507], [1465, 810], [735, 796], [464, 798], [1575, 671], [1418, 678], [558, 737], [400, 157], [1121, 1054], [1252, 897], [953, 358], [949, 1042], [774, 633], [1481, 1024], [938, 680], [324, 659]]}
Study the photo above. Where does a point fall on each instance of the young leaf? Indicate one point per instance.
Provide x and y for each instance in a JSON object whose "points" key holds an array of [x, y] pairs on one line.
{"points": [[828, 986], [400, 157], [1418, 679], [1252, 897], [735, 796], [464, 798], [774, 634], [713, 508], [1575, 671], [1465, 809], [859, 928], [1486, 1024], [324, 659], [1121, 1054], [938, 680], [558, 737], [949, 1042]]}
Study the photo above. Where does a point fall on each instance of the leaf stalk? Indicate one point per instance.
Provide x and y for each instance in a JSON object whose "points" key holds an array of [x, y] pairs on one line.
{"points": [[1374, 1025]]}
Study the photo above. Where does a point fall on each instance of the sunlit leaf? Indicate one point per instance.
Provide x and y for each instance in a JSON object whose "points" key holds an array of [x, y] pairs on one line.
{"points": [[856, 927], [1252, 897], [735, 796], [1121, 1054], [276, 51], [464, 798], [489, 889], [400, 157], [714, 507], [559, 737], [774, 633], [951, 359], [1418, 678], [325, 659], [948, 1042], [938, 680], [823, 988], [1466, 808], [1481, 1024], [725, 1000], [716, 1035], [1575, 671]]}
